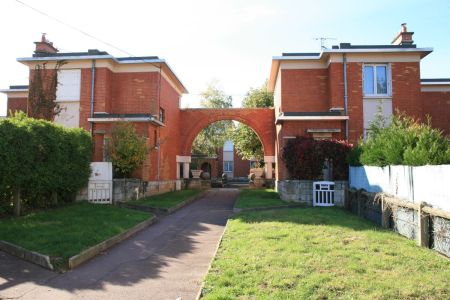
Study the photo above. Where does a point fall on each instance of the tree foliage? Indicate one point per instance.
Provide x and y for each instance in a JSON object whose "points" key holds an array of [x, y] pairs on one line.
{"points": [[41, 158], [246, 141], [42, 92], [404, 141], [305, 158], [212, 138], [127, 149]]}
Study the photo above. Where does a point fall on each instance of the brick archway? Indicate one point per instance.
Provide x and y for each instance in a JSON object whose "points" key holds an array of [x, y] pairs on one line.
{"points": [[261, 120]]}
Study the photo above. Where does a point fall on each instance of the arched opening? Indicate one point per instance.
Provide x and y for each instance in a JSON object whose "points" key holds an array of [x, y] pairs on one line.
{"points": [[260, 120]]}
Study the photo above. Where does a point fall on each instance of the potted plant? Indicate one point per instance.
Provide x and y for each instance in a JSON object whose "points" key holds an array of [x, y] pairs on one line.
{"points": [[257, 169], [195, 170]]}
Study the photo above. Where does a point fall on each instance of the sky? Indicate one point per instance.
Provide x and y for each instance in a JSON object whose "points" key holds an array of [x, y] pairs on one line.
{"points": [[229, 41]]}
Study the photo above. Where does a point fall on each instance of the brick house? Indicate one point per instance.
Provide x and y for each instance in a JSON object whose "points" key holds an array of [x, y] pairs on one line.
{"points": [[336, 93], [331, 94]]}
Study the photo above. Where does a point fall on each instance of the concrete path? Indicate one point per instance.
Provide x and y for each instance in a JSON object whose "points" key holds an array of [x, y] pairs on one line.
{"points": [[166, 261]]}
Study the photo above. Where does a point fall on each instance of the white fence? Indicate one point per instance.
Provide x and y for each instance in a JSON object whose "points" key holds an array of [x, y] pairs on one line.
{"points": [[430, 184]]}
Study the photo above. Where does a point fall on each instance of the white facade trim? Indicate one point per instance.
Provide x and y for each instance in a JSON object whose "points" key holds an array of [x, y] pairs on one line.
{"points": [[183, 159], [269, 159], [308, 118], [435, 88]]}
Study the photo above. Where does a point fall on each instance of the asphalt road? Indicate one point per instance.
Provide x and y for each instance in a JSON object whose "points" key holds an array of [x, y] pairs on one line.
{"points": [[165, 261]]}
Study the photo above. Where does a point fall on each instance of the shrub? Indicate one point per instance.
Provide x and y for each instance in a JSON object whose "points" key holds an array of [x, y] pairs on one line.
{"points": [[305, 158], [127, 150], [40, 158], [404, 141]]}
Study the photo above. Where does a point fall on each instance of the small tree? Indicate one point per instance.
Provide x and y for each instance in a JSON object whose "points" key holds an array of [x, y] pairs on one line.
{"points": [[127, 149]]}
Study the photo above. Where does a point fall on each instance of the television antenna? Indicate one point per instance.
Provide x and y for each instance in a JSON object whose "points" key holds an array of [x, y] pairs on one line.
{"points": [[322, 41]]}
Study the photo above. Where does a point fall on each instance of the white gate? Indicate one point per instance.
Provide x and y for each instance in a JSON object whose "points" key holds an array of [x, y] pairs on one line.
{"points": [[100, 188], [323, 193]]}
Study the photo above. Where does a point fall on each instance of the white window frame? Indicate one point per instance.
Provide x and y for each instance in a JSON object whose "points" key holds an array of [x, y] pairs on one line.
{"points": [[388, 81], [230, 164]]}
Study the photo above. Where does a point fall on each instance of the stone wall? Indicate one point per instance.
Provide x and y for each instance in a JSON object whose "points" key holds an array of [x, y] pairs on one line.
{"points": [[301, 191]]}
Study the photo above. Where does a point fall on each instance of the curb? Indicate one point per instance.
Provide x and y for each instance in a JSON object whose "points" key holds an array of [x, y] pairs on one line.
{"points": [[238, 210], [200, 292], [89, 253], [30, 256], [162, 211]]}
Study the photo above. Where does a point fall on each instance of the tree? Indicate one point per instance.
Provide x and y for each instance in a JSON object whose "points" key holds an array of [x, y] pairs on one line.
{"points": [[127, 149], [246, 142], [212, 138], [42, 93]]}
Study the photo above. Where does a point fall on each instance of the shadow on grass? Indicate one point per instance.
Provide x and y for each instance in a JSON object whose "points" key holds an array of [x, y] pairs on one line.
{"points": [[141, 257], [310, 216]]}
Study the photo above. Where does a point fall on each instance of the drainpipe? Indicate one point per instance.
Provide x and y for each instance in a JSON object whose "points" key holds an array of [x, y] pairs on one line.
{"points": [[92, 94], [344, 58]]}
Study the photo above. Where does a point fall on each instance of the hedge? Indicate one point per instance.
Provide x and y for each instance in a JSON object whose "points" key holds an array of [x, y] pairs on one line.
{"points": [[305, 158], [41, 159], [404, 141]]}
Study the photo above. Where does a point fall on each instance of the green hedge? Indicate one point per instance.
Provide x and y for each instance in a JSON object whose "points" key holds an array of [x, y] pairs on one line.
{"points": [[404, 141], [41, 159]]}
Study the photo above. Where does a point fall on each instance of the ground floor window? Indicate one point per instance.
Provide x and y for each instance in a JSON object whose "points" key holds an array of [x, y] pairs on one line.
{"points": [[373, 107], [228, 166]]}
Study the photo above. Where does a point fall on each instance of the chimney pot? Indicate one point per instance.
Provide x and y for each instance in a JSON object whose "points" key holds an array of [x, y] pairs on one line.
{"points": [[45, 46]]}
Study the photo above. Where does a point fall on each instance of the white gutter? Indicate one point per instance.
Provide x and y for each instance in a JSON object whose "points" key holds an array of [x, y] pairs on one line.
{"points": [[310, 118], [370, 50], [436, 83], [126, 119], [13, 90]]}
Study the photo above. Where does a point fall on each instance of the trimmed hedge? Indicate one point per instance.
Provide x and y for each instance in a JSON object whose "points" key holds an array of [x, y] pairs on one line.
{"points": [[404, 141], [41, 158], [305, 158]]}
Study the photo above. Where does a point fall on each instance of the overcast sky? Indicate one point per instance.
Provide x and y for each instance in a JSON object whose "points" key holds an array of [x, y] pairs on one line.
{"points": [[230, 41]]}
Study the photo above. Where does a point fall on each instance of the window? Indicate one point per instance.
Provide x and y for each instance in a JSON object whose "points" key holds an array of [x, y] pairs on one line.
{"points": [[68, 88], [373, 107], [377, 80], [228, 166], [162, 115]]}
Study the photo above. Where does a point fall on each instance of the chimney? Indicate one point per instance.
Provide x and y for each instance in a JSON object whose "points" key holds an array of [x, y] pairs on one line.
{"points": [[404, 37], [44, 46]]}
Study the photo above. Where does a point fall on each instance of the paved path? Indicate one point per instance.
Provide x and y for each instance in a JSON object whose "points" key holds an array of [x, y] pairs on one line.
{"points": [[166, 261]]}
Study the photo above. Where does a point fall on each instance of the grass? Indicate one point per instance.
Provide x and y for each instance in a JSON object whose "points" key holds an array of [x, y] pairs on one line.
{"points": [[321, 253], [66, 231], [252, 198], [167, 200]]}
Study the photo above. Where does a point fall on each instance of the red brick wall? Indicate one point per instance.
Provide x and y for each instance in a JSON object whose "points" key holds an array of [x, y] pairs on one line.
{"points": [[437, 106], [16, 104], [406, 94], [304, 90], [85, 98], [241, 166], [336, 85], [103, 90], [355, 102], [135, 92], [170, 134]]}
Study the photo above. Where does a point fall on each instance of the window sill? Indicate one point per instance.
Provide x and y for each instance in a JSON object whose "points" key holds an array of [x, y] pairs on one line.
{"points": [[377, 96]]}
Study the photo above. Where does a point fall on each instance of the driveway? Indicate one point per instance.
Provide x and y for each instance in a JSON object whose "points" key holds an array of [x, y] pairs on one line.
{"points": [[165, 261]]}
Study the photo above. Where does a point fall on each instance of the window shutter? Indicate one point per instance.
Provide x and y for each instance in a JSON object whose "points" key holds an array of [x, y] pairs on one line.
{"points": [[69, 82]]}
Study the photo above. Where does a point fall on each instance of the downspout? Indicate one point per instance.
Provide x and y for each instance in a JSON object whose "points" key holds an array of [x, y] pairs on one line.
{"points": [[344, 58], [92, 95]]}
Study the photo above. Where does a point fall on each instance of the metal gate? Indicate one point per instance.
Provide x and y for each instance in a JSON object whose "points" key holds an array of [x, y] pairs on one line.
{"points": [[100, 187], [323, 193]]}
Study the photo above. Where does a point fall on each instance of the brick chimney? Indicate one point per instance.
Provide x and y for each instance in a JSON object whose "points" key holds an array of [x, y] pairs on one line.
{"points": [[44, 46], [404, 37]]}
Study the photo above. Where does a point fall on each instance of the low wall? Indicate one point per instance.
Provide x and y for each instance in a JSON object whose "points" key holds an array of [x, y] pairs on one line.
{"points": [[430, 227], [301, 191], [133, 189]]}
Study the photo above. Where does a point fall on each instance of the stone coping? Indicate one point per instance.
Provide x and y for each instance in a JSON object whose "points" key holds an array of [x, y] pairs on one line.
{"points": [[57, 265], [162, 211]]}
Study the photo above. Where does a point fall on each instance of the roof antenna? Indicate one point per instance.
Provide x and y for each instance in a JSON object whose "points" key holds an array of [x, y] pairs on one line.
{"points": [[322, 41]]}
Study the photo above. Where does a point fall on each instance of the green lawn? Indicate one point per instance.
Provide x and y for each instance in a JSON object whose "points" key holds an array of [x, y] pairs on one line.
{"points": [[66, 231], [167, 200], [321, 253], [251, 198]]}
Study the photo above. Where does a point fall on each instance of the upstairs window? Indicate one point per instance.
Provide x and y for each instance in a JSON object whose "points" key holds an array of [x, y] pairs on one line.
{"points": [[69, 82], [162, 115], [377, 81]]}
